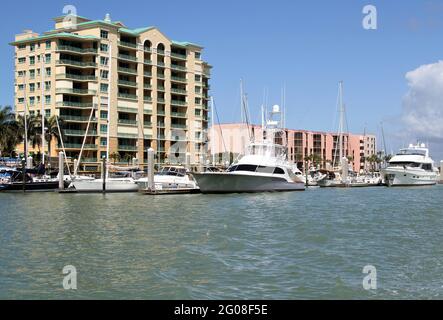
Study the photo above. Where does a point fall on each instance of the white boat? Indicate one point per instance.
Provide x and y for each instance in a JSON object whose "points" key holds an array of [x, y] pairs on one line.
{"points": [[412, 166], [170, 177], [112, 185], [264, 167]]}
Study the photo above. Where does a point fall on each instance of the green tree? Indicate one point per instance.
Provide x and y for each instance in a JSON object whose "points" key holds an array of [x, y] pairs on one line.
{"points": [[9, 137], [52, 132], [115, 156], [33, 130]]}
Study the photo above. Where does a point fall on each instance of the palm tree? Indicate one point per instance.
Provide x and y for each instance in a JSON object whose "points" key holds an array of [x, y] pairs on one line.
{"points": [[114, 156], [51, 131], [34, 130], [8, 130], [127, 157]]}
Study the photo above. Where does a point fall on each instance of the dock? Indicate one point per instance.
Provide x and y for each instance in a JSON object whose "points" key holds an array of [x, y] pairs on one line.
{"points": [[170, 191]]}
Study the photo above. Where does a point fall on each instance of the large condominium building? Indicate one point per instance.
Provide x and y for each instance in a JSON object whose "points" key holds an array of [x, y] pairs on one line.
{"points": [[301, 143], [143, 88]]}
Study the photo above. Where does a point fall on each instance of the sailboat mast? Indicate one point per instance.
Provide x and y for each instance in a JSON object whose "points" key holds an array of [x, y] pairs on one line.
{"points": [[213, 130], [42, 99], [25, 120], [341, 124]]}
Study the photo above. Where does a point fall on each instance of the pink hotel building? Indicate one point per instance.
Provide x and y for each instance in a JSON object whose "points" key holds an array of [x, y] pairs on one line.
{"points": [[301, 143]]}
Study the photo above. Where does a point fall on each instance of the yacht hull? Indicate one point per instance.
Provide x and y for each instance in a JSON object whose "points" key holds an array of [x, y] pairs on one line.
{"points": [[30, 186], [97, 185], [238, 183], [401, 177]]}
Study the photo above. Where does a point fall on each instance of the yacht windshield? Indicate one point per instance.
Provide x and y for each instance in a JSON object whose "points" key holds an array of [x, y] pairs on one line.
{"points": [[414, 152]]}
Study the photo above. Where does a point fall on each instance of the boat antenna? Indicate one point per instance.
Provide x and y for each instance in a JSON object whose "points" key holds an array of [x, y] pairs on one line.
{"points": [[214, 108], [84, 141]]}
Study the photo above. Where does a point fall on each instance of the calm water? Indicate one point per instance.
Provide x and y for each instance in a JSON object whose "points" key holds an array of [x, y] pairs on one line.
{"points": [[304, 245]]}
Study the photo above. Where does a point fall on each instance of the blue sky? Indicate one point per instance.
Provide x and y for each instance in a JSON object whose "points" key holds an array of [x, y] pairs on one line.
{"points": [[307, 45]]}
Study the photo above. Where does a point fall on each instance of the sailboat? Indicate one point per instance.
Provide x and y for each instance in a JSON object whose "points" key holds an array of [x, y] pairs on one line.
{"points": [[339, 175]]}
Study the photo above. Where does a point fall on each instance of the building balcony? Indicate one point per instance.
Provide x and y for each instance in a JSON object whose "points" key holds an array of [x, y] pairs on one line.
{"points": [[147, 86], [178, 67], [161, 100], [79, 146], [125, 147], [127, 96], [128, 110], [147, 74], [147, 61], [147, 99], [73, 132], [127, 70], [178, 91], [160, 124], [85, 92], [69, 118], [161, 76], [161, 52], [89, 64], [178, 79], [161, 112], [178, 114], [76, 49], [161, 137], [178, 56], [75, 77], [161, 64], [178, 126], [147, 124], [127, 83], [178, 102], [127, 57], [127, 44], [160, 88], [80, 105], [127, 122]]}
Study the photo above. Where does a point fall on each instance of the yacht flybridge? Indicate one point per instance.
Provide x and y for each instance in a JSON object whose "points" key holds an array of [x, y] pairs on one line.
{"points": [[263, 168], [412, 166]]}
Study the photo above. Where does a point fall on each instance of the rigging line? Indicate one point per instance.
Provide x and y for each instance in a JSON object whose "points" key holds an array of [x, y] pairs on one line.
{"points": [[218, 121]]}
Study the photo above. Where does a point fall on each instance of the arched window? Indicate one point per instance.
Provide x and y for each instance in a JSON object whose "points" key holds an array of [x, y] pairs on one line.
{"points": [[160, 48], [147, 45]]}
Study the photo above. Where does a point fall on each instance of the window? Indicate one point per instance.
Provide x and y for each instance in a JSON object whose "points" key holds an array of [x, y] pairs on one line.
{"points": [[103, 114], [104, 74], [21, 60], [31, 60], [198, 101], [104, 34], [103, 128], [198, 90], [197, 112], [47, 85], [48, 99], [21, 87], [32, 101], [48, 72], [48, 44], [279, 171], [103, 88], [32, 87], [21, 46], [48, 113], [32, 47], [21, 73], [243, 167], [32, 74], [21, 100], [197, 55], [103, 142], [32, 113], [103, 47], [48, 58], [198, 78], [103, 61]]}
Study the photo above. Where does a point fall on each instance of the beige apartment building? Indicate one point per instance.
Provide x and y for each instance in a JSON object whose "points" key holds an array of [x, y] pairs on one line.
{"points": [[146, 89]]}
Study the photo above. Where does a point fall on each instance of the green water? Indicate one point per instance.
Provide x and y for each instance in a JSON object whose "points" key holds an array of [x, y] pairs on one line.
{"points": [[301, 245]]}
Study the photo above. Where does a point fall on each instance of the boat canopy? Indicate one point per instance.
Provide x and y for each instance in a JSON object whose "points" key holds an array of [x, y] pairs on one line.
{"points": [[266, 150]]}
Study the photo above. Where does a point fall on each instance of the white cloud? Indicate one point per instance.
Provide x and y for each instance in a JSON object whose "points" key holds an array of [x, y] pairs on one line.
{"points": [[422, 116], [423, 104]]}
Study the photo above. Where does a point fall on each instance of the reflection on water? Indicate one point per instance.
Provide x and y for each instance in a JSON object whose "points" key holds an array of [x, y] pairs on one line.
{"points": [[312, 244]]}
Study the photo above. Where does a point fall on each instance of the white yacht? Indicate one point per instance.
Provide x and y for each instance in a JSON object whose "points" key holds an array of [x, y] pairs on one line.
{"points": [[412, 166], [170, 177], [263, 168], [112, 185]]}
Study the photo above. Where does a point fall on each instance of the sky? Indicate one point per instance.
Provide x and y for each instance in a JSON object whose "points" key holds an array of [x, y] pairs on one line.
{"points": [[392, 75]]}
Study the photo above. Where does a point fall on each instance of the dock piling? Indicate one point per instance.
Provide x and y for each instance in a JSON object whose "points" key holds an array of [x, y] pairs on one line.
{"points": [[151, 184], [61, 184]]}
